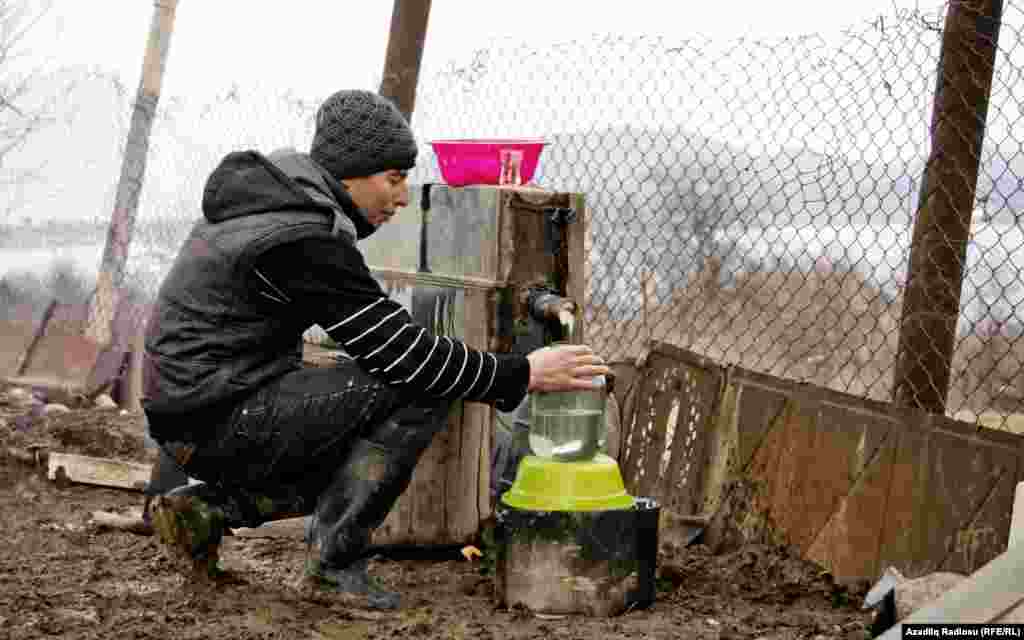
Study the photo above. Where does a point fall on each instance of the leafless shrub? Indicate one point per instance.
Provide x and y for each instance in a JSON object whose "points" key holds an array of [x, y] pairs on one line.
{"points": [[19, 116]]}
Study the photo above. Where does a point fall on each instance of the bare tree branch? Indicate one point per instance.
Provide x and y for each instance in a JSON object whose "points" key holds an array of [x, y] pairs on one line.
{"points": [[20, 114]]}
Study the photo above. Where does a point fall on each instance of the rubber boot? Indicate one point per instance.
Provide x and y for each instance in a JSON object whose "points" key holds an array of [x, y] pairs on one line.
{"points": [[165, 476], [375, 472], [354, 584], [192, 520], [356, 503], [191, 530]]}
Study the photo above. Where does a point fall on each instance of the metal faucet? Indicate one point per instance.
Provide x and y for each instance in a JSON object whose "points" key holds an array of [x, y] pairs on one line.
{"points": [[556, 313]]}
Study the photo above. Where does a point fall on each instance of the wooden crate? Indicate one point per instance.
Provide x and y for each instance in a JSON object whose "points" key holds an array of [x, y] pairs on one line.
{"points": [[476, 249]]}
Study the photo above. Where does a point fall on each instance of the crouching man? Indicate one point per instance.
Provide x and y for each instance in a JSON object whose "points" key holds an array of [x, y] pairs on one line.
{"points": [[225, 392]]}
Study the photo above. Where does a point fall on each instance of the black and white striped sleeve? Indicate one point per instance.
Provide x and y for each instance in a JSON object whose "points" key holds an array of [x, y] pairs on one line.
{"points": [[329, 282]]}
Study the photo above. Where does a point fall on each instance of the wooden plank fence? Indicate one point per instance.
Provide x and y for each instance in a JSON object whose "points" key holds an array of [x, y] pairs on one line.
{"points": [[853, 484]]}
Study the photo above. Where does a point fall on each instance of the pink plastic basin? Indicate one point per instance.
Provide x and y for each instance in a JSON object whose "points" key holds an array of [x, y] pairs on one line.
{"points": [[478, 161]]}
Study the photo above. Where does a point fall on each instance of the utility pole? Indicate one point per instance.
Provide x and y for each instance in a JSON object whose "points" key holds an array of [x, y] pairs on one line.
{"points": [[931, 303], [398, 82], [133, 168], [405, 52]]}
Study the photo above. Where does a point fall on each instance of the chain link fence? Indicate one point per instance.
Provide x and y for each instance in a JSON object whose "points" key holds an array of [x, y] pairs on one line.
{"points": [[754, 200], [751, 200]]}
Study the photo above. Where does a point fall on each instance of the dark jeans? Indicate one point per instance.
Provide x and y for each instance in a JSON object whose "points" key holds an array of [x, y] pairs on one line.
{"points": [[334, 442]]}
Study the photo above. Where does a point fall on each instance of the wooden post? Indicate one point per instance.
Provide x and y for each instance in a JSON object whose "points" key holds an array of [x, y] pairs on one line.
{"points": [[648, 291], [103, 306], [37, 335], [931, 303], [132, 400], [405, 52]]}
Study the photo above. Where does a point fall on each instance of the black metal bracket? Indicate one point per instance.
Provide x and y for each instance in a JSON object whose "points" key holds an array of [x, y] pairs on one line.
{"points": [[424, 266], [555, 221]]}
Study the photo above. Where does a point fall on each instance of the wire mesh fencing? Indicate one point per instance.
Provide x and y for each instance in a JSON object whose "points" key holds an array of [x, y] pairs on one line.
{"points": [[57, 228], [755, 201], [751, 200]]}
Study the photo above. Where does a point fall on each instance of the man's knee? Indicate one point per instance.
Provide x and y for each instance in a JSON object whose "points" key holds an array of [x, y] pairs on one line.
{"points": [[371, 463], [408, 434]]}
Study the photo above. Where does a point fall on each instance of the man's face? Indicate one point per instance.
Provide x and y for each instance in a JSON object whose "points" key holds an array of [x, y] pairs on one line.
{"points": [[381, 195]]}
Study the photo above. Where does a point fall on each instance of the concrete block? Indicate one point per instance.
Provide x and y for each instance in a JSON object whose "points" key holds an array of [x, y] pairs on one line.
{"points": [[1017, 520]]}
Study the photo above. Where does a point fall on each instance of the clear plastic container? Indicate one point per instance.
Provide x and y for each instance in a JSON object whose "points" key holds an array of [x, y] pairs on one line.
{"points": [[568, 426]]}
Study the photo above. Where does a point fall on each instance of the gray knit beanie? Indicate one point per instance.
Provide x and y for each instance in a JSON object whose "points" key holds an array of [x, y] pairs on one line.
{"points": [[360, 133]]}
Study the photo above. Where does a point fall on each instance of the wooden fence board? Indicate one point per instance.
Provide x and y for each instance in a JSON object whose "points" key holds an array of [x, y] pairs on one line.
{"points": [[968, 481], [960, 479], [457, 510], [901, 528], [463, 481], [681, 487], [663, 392], [848, 543], [103, 472], [793, 490], [633, 464], [986, 535], [765, 465], [842, 444], [721, 445], [428, 504], [758, 411], [627, 392]]}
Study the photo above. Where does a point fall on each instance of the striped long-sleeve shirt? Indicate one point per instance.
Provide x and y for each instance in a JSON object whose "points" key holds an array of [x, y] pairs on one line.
{"points": [[329, 283]]}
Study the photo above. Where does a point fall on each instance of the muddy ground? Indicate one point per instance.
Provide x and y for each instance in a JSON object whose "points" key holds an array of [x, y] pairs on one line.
{"points": [[62, 576]]}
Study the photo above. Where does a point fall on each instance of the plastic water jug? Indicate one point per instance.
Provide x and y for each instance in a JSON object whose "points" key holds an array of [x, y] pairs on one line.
{"points": [[568, 426]]}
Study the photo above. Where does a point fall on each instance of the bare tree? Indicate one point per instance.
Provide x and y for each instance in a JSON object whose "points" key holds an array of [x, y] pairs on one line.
{"points": [[20, 116]]}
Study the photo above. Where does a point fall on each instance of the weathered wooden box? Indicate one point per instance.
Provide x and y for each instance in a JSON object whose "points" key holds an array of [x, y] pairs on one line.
{"points": [[460, 260]]}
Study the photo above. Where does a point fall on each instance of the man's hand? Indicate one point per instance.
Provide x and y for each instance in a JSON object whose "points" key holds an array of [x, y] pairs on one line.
{"points": [[565, 368]]}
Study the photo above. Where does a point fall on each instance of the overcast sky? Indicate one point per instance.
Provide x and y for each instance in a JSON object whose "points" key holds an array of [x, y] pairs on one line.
{"points": [[314, 47], [317, 46]]}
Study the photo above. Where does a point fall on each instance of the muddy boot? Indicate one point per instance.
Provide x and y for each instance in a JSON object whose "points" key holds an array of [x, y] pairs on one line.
{"points": [[192, 520], [364, 490], [353, 583], [366, 485], [165, 476], [191, 530]]}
